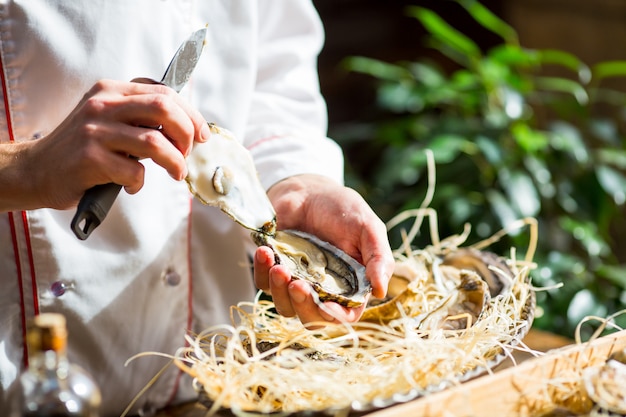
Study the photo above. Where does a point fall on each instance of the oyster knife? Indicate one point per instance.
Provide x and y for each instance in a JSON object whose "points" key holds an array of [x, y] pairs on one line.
{"points": [[97, 201]]}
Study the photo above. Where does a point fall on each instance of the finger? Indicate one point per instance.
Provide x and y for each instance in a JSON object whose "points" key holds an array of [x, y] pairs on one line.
{"points": [[201, 130], [280, 280], [378, 273], [304, 302], [147, 104], [263, 261], [332, 311], [377, 257], [145, 80], [101, 164], [133, 189], [127, 172], [140, 142], [157, 111]]}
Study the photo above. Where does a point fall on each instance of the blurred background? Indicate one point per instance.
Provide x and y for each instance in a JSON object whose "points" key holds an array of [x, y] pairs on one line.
{"points": [[522, 103]]}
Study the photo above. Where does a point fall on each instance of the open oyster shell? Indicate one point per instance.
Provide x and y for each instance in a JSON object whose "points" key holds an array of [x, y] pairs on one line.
{"points": [[221, 173], [489, 266], [605, 386], [334, 275], [470, 278], [462, 308]]}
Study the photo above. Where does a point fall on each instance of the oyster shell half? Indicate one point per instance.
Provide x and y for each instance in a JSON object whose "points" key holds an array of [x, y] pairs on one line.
{"points": [[221, 173], [463, 306], [605, 386], [469, 276], [489, 266], [333, 274]]}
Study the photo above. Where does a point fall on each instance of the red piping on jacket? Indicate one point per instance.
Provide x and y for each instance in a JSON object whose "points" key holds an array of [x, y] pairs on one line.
{"points": [[20, 286], [31, 263], [18, 264], [260, 141]]}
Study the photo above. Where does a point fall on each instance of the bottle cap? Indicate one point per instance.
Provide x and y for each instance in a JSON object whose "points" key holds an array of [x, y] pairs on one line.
{"points": [[47, 331]]}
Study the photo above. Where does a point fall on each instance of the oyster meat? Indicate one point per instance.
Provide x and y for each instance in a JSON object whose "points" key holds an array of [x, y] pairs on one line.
{"points": [[221, 173], [489, 266], [334, 275], [462, 308]]}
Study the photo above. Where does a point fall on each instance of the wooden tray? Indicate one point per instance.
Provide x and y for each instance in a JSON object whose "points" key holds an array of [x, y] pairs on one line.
{"points": [[515, 391]]}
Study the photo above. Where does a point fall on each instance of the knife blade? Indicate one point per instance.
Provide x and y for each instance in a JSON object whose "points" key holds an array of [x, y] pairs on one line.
{"points": [[97, 201]]}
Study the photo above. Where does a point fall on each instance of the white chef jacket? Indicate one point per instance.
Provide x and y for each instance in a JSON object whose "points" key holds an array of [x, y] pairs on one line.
{"points": [[161, 264]]}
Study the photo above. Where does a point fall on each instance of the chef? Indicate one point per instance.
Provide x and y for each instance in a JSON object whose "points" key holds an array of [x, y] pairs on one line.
{"points": [[161, 264]]}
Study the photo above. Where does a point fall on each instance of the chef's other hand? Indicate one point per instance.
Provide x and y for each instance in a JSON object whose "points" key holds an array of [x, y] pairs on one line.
{"points": [[336, 214], [114, 120]]}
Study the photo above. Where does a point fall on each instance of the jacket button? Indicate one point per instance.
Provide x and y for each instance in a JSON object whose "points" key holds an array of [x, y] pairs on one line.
{"points": [[58, 288], [171, 277]]}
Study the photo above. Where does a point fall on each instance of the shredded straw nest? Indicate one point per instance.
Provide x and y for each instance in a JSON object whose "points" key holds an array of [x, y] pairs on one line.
{"points": [[266, 363]]}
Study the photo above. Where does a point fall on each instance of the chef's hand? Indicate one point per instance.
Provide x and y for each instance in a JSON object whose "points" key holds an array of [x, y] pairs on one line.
{"points": [[91, 146], [338, 215]]}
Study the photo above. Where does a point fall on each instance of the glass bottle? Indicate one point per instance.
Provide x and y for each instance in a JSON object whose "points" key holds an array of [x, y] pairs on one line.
{"points": [[52, 386]]}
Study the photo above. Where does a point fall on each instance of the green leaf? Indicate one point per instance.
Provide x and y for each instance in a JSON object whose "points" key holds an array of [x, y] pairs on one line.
{"points": [[609, 69], [585, 303], [538, 168], [376, 68], [464, 80], [489, 148], [492, 72], [568, 138], [502, 209], [521, 191], [426, 74], [445, 33], [513, 55], [564, 85], [613, 182], [614, 273], [615, 157], [586, 232], [490, 21], [447, 147], [606, 129], [567, 60], [399, 98], [400, 166], [529, 139], [460, 209]]}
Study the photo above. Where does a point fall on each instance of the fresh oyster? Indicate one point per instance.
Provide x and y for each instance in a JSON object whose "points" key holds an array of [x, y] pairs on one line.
{"points": [[334, 275], [605, 384], [469, 277], [401, 290], [263, 346], [491, 268], [221, 173], [463, 306]]}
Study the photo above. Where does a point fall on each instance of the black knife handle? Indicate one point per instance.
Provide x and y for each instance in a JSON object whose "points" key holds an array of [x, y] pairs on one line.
{"points": [[93, 208]]}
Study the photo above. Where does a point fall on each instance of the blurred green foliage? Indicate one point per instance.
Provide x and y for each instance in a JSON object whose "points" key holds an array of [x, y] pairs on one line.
{"points": [[515, 133]]}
